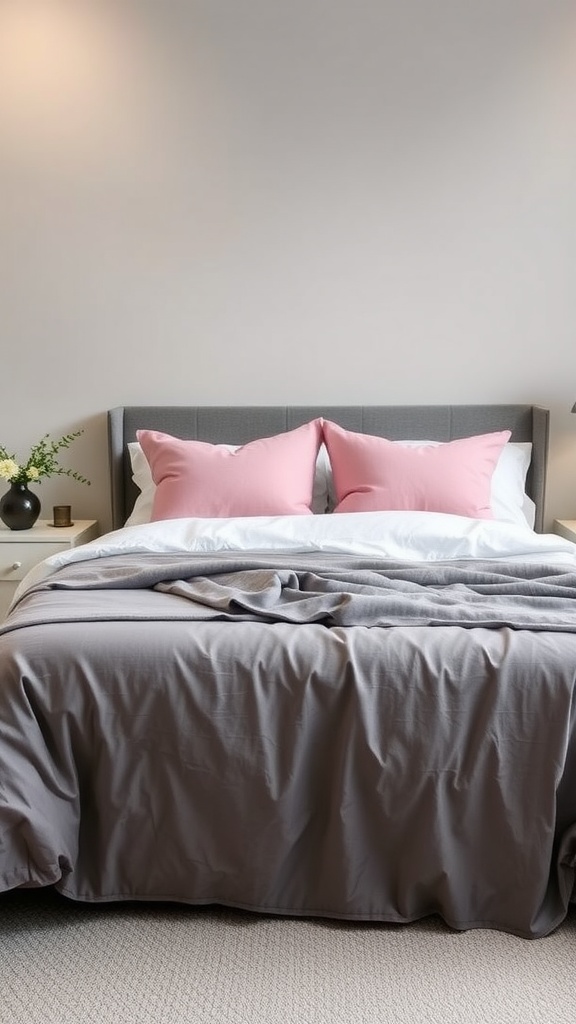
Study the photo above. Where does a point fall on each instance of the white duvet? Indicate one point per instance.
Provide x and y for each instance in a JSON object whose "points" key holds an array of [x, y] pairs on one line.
{"points": [[411, 536]]}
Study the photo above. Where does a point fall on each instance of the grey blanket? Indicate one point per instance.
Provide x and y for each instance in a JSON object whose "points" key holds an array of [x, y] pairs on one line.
{"points": [[340, 590], [289, 735]]}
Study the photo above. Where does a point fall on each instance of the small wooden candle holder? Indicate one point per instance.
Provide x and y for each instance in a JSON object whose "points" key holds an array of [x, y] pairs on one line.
{"points": [[62, 515]]}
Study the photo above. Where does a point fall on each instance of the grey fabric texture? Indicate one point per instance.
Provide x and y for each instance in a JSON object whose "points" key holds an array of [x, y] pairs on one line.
{"points": [[338, 590], [310, 755]]}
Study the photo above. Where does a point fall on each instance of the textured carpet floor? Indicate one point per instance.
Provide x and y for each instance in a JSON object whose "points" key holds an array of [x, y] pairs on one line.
{"points": [[64, 963]]}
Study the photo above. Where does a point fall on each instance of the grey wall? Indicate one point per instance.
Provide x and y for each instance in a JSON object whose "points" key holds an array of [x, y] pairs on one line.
{"points": [[250, 201]]}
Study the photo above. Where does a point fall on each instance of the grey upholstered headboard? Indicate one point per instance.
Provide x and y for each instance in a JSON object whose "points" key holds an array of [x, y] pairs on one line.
{"points": [[239, 424]]}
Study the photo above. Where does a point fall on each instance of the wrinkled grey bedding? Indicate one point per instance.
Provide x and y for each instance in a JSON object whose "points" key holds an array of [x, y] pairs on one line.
{"points": [[300, 735]]}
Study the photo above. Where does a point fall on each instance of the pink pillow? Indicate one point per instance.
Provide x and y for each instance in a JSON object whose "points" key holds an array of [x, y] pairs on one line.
{"points": [[373, 474], [272, 476]]}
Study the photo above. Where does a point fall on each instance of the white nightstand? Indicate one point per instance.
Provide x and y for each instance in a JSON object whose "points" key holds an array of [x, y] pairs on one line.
{"points": [[20, 550], [566, 528]]}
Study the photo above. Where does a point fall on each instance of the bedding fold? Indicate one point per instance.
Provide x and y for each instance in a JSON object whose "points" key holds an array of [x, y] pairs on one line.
{"points": [[336, 590]]}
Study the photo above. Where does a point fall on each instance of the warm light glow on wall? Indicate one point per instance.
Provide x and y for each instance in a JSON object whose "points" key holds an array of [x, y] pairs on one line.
{"points": [[68, 74]]}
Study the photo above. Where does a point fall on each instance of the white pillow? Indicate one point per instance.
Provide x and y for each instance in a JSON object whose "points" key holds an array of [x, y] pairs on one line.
{"points": [[142, 477], [508, 498]]}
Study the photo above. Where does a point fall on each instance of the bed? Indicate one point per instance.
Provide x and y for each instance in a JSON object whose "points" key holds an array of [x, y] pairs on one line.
{"points": [[337, 710]]}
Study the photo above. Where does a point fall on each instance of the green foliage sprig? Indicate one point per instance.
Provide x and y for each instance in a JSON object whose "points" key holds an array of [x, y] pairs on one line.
{"points": [[42, 462]]}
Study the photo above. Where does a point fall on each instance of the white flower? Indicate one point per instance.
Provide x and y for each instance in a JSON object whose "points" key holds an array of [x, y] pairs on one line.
{"points": [[8, 469], [42, 461]]}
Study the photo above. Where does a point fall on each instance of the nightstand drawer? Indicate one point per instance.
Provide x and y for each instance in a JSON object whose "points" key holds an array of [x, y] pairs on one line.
{"points": [[17, 559], [21, 550]]}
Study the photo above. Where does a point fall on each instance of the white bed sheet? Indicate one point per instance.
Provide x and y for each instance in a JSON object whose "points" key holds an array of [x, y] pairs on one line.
{"points": [[410, 536]]}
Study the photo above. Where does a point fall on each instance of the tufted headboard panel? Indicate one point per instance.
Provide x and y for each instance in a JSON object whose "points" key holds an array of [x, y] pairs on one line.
{"points": [[239, 424]]}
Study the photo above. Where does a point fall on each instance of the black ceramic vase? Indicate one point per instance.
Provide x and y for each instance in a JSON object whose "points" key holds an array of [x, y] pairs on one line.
{"points": [[19, 507]]}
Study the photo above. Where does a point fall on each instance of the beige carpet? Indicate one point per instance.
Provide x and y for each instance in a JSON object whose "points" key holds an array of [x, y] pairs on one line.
{"points": [[71, 964]]}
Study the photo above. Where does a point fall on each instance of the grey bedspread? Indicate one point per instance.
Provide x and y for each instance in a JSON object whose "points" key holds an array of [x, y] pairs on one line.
{"points": [[337, 589], [302, 735]]}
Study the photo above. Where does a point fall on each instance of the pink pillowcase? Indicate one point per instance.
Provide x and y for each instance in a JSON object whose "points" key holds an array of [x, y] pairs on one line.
{"points": [[272, 476], [374, 474]]}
